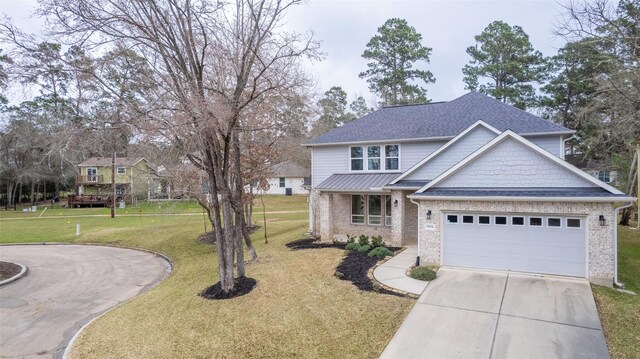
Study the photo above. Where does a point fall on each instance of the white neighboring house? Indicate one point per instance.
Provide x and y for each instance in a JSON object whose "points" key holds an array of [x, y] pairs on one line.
{"points": [[289, 178]]}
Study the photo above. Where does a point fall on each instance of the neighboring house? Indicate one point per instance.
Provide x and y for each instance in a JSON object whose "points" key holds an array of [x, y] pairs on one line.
{"points": [[133, 177], [597, 169], [288, 178], [472, 182]]}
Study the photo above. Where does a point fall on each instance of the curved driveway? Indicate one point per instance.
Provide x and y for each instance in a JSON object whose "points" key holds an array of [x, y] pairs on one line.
{"points": [[66, 286]]}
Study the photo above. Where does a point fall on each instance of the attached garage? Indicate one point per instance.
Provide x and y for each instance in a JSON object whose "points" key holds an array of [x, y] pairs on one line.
{"points": [[536, 243]]}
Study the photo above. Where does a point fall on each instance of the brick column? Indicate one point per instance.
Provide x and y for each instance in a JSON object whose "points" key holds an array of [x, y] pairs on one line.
{"points": [[325, 216], [397, 217]]}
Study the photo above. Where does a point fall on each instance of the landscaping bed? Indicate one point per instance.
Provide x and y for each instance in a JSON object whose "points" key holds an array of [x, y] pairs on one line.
{"points": [[8, 270]]}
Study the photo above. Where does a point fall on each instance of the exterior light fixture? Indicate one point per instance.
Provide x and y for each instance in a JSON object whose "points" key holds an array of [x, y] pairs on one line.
{"points": [[395, 203], [602, 220], [429, 214]]}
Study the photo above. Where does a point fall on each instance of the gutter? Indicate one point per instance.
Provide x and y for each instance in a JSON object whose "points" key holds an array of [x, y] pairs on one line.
{"points": [[418, 241], [615, 244], [527, 199]]}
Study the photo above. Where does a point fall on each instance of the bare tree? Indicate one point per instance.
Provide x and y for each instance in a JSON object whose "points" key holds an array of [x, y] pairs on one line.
{"points": [[213, 65]]}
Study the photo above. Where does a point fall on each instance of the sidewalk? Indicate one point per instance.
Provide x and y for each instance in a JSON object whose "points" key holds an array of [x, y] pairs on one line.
{"points": [[392, 273]]}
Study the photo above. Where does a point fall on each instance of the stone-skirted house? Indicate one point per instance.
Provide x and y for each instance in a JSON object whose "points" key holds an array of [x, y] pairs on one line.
{"points": [[472, 182]]}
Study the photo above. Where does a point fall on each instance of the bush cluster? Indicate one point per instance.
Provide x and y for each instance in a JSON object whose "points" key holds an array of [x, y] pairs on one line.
{"points": [[375, 246], [423, 273]]}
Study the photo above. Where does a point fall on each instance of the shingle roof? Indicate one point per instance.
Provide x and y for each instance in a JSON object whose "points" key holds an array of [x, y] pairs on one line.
{"points": [[357, 181], [106, 161], [520, 192], [441, 119], [289, 169]]}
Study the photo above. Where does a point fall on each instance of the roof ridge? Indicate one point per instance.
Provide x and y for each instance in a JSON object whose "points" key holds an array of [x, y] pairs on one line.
{"points": [[415, 104]]}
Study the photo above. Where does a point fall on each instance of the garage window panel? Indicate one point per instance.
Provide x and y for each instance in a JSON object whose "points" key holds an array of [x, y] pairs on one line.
{"points": [[574, 223], [484, 219], [467, 219], [452, 218], [535, 221], [554, 222], [517, 221], [501, 220]]}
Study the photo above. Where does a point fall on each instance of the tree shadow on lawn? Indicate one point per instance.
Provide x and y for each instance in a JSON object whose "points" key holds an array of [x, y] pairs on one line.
{"points": [[354, 267]]}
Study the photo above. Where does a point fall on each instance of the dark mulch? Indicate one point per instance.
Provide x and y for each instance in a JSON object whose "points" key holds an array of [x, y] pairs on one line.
{"points": [[312, 243], [354, 266], [243, 285], [8, 270]]}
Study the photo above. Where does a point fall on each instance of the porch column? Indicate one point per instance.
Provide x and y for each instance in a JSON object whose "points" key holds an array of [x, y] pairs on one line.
{"points": [[325, 216], [397, 217]]}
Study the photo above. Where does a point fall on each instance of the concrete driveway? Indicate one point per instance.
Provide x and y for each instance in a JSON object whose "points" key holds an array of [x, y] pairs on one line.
{"points": [[472, 314], [66, 286]]}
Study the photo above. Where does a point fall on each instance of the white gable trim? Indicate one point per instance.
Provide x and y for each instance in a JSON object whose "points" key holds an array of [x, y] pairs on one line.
{"points": [[444, 147], [527, 143]]}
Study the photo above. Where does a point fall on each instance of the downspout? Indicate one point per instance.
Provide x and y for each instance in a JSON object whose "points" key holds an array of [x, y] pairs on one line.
{"points": [[418, 254], [615, 245]]}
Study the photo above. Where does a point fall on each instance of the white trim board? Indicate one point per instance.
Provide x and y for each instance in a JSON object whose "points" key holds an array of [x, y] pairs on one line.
{"points": [[510, 134], [444, 147]]}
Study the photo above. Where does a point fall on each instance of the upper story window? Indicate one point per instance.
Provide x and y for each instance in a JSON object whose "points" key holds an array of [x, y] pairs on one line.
{"points": [[375, 158], [357, 159], [604, 176], [121, 170]]}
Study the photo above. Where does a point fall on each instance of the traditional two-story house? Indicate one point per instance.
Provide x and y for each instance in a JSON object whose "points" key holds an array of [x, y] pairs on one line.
{"points": [[133, 177], [472, 183]]}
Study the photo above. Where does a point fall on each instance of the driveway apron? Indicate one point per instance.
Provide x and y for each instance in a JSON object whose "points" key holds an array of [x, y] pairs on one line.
{"points": [[473, 314], [66, 286]]}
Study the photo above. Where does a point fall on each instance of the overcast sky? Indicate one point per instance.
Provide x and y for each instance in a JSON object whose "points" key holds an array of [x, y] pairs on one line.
{"points": [[344, 28]]}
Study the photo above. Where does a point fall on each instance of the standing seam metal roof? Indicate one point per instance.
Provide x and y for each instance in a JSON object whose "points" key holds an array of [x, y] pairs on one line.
{"points": [[441, 119], [357, 181]]}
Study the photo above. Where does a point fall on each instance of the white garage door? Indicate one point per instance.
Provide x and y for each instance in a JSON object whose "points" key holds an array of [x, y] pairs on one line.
{"points": [[524, 243]]}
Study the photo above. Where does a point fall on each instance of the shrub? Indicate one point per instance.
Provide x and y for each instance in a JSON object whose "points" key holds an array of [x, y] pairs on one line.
{"points": [[351, 239], [352, 246], [380, 252], [423, 273], [377, 241], [363, 240], [339, 274], [364, 248]]}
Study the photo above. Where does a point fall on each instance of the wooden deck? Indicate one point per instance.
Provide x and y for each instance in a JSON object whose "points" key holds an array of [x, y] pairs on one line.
{"points": [[78, 201]]}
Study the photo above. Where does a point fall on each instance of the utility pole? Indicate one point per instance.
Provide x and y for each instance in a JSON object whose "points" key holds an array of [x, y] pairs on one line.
{"points": [[638, 183], [113, 184]]}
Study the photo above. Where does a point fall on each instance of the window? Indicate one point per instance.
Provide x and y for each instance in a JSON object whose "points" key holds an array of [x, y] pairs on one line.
{"points": [[517, 221], [484, 220], [467, 219], [92, 174], [357, 159], [535, 221], [553, 222], [452, 218], [501, 220], [573, 223], [387, 211], [281, 182], [375, 209], [373, 158], [357, 209], [391, 154], [604, 176], [121, 170]]}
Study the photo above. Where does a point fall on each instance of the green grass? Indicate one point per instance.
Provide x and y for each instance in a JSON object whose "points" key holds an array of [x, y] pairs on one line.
{"points": [[620, 312], [423, 273], [298, 309]]}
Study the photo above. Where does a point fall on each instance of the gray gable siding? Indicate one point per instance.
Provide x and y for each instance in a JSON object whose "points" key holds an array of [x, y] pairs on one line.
{"points": [[552, 144], [511, 164], [412, 153], [458, 151]]}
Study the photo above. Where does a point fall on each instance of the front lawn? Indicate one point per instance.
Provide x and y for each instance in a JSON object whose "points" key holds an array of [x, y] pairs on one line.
{"points": [[298, 308], [620, 312]]}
